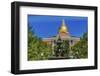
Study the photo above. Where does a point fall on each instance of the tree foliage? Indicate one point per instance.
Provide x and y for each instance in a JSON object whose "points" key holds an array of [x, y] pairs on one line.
{"points": [[66, 49], [61, 48], [37, 49], [80, 50]]}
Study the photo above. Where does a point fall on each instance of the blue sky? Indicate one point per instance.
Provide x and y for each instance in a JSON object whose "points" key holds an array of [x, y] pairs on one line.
{"points": [[47, 26]]}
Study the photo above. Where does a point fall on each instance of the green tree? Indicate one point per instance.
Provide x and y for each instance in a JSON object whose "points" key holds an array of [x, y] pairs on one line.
{"points": [[37, 49], [65, 46], [80, 50], [61, 48]]}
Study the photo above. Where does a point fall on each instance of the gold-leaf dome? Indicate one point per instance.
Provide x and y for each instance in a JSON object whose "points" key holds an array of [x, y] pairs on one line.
{"points": [[63, 28]]}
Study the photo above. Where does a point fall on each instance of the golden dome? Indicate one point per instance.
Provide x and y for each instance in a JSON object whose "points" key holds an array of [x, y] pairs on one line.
{"points": [[63, 28]]}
